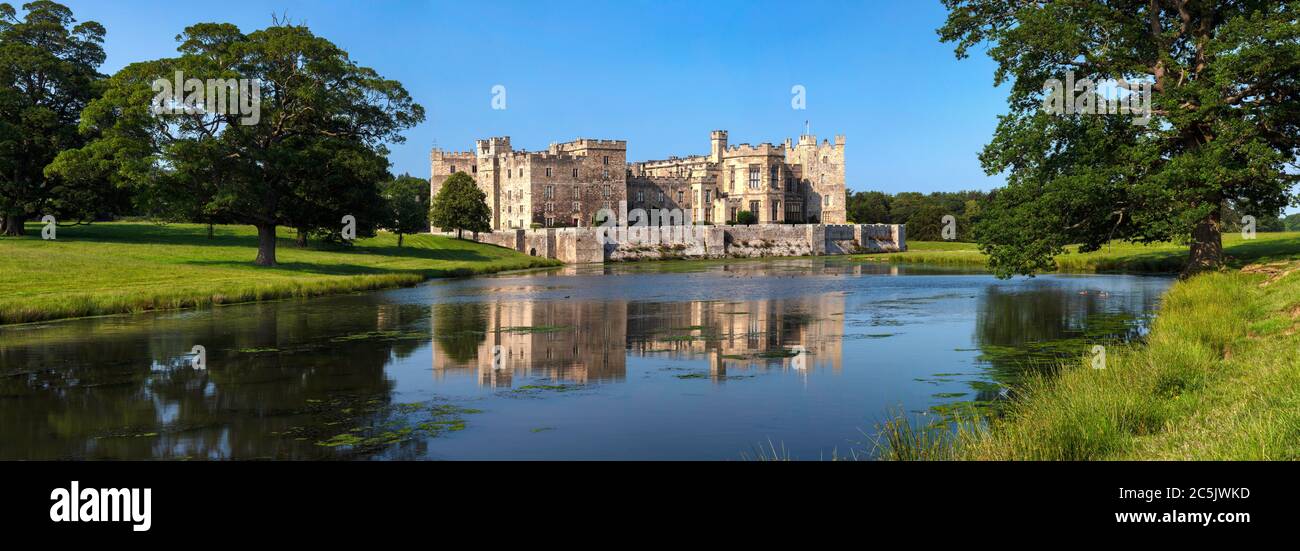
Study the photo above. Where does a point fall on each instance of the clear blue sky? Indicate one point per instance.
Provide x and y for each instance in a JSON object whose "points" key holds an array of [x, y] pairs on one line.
{"points": [[660, 74]]}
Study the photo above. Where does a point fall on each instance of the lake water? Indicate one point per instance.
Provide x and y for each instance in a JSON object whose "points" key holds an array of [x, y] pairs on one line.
{"points": [[710, 360]]}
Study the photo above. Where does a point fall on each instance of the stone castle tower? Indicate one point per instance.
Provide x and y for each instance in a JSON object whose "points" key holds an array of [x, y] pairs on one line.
{"points": [[566, 185]]}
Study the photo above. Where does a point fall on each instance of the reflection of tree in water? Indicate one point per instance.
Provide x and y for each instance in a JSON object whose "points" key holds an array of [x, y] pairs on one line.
{"points": [[1037, 328], [460, 327], [280, 378]]}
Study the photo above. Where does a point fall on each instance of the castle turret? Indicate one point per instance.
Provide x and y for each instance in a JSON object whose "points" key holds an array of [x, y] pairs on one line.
{"points": [[718, 140]]}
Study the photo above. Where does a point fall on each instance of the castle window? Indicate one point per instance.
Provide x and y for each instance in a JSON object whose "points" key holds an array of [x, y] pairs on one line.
{"points": [[776, 177], [661, 196], [640, 195], [548, 192], [606, 191], [577, 206], [753, 207], [474, 169], [708, 196], [606, 160], [453, 169], [753, 176], [607, 174], [548, 172], [550, 206], [575, 173], [681, 197], [550, 222], [828, 200], [776, 210]]}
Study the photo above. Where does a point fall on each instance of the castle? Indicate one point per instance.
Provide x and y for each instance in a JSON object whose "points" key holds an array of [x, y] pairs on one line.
{"points": [[566, 185]]}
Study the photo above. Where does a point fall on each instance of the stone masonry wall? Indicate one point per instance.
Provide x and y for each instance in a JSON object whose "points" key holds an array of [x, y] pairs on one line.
{"points": [[584, 245]]}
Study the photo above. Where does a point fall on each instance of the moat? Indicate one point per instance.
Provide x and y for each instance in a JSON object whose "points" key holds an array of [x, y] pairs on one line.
{"points": [[665, 360]]}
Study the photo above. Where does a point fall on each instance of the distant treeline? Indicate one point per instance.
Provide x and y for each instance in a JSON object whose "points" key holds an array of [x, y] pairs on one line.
{"points": [[923, 213]]}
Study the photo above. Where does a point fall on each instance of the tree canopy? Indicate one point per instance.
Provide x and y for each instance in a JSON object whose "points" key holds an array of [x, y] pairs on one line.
{"points": [[406, 205], [1224, 127], [461, 206], [48, 74], [922, 213], [310, 150]]}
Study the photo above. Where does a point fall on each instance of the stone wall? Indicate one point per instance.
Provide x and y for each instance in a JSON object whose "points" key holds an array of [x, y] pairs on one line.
{"points": [[585, 245]]}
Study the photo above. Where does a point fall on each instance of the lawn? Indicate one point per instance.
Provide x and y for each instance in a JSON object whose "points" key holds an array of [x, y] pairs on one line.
{"points": [[109, 268], [1116, 257]]}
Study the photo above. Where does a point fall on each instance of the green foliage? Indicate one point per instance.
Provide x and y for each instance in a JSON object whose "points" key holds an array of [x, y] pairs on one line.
{"points": [[461, 206], [868, 207], [406, 205], [1291, 222], [745, 217], [1222, 128], [48, 73], [311, 156], [921, 213]]}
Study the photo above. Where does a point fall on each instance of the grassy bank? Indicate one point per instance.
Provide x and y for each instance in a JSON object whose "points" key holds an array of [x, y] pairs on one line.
{"points": [[1117, 257], [1217, 379], [112, 268]]}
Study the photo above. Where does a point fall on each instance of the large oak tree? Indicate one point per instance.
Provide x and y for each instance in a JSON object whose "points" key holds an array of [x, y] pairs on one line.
{"points": [[1225, 128], [48, 73], [314, 153]]}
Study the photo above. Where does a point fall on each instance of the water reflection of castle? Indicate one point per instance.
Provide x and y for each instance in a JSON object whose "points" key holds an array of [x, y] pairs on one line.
{"points": [[583, 341]]}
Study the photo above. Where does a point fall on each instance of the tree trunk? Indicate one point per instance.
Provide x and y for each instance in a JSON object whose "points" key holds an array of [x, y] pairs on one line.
{"points": [[302, 238], [1207, 246], [265, 245], [459, 233], [399, 240], [209, 231], [12, 224]]}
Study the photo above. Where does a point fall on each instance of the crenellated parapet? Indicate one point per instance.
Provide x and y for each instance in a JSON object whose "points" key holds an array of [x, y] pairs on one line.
{"points": [[566, 183]]}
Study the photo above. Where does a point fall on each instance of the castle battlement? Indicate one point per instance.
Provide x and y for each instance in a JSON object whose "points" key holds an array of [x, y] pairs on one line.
{"points": [[760, 149], [778, 183], [597, 143], [441, 154]]}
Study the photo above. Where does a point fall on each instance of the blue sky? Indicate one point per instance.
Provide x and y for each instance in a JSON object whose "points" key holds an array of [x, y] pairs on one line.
{"points": [[660, 74]]}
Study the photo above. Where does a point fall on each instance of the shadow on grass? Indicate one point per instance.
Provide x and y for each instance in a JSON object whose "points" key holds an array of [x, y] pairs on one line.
{"points": [[143, 233], [408, 251], [1262, 250], [311, 267]]}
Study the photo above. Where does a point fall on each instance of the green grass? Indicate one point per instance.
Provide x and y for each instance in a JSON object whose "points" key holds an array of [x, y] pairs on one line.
{"points": [[1217, 379], [1116, 257], [112, 268]]}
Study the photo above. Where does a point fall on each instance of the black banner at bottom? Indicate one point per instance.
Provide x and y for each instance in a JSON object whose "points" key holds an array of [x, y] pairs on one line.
{"points": [[134, 500]]}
